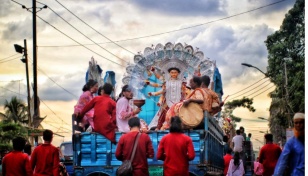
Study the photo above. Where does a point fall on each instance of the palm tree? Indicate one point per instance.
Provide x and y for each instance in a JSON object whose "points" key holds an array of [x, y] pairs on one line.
{"points": [[15, 110]]}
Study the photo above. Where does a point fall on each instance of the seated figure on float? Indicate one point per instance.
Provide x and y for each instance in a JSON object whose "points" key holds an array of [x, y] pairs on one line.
{"points": [[173, 91], [191, 109]]}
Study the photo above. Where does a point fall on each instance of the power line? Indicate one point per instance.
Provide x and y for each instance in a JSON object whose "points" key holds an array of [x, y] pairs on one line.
{"points": [[53, 112], [246, 87], [93, 28], [78, 42], [9, 56], [250, 91], [85, 35], [10, 59], [213, 21], [263, 91], [57, 83]]}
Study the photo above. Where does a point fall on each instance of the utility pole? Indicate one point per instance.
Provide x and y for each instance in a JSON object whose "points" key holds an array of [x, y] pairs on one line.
{"points": [[35, 108], [28, 85], [287, 94]]}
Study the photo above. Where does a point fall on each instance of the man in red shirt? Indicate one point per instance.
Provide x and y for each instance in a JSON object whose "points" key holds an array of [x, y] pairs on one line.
{"points": [[176, 150], [227, 159], [45, 157], [104, 113], [269, 155], [144, 148], [17, 163]]}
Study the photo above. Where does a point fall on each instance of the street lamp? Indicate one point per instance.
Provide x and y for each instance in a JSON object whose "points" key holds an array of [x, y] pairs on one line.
{"points": [[248, 65], [20, 49]]}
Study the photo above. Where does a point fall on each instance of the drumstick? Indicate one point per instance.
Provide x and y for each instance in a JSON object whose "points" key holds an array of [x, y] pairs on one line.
{"points": [[226, 98]]}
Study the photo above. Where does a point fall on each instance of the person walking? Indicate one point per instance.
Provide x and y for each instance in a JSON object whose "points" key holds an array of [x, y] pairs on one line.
{"points": [[17, 163], [227, 159], [293, 154], [269, 155], [144, 148], [236, 166], [45, 157], [104, 113], [176, 150]]}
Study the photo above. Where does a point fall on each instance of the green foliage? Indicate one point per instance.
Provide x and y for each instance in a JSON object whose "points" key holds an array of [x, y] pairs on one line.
{"points": [[286, 69], [232, 105], [286, 49], [15, 110], [8, 131]]}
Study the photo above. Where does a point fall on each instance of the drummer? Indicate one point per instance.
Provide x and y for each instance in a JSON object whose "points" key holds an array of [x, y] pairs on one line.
{"points": [[196, 96]]}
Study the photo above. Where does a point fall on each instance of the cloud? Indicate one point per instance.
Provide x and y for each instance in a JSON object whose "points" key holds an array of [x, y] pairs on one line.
{"points": [[183, 7], [230, 46], [278, 6]]}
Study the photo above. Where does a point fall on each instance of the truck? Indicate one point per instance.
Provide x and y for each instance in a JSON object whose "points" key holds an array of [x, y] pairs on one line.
{"points": [[94, 155]]}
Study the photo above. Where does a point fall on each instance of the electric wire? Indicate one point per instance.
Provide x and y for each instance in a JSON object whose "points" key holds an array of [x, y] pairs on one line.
{"points": [[40, 100], [9, 57], [250, 91], [209, 22], [57, 83], [78, 42], [93, 28], [246, 87], [263, 91], [85, 35], [54, 112], [176, 30]]}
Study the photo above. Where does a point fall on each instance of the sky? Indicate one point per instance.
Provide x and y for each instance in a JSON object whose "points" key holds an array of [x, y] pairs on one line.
{"points": [[229, 32]]}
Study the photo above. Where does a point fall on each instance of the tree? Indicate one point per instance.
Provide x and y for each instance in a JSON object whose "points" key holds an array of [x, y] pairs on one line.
{"points": [[8, 131], [232, 105], [15, 111], [286, 67], [229, 107]]}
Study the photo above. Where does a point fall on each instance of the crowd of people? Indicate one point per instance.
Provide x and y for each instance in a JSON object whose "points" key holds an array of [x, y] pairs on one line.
{"points": [[272, 160], [43, 160], [105, 115]]}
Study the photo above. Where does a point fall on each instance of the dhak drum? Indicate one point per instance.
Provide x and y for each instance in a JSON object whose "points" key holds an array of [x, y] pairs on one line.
{"points": [[191, 115]]}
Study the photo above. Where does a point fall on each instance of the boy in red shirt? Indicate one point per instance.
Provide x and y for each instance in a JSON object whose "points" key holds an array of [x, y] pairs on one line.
{"points": [[176, 150], [17, 163], [45, 157], [227, 159]]}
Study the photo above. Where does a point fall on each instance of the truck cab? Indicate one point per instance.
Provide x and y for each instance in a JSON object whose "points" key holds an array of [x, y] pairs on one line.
{"points": [[66, 148]]}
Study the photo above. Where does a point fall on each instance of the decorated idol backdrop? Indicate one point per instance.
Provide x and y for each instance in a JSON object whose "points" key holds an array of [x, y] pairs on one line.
{"points": [[157, 60]]}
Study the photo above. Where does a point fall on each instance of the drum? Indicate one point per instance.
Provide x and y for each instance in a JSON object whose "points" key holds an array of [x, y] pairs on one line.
{"points": [[191, 115]]}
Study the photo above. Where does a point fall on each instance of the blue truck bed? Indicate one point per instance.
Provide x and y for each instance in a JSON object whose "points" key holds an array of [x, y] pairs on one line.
{"points": [[93, 154]]}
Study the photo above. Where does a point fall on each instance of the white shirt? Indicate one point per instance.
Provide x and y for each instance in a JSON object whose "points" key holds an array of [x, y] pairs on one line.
{"points": [[238, 143]]}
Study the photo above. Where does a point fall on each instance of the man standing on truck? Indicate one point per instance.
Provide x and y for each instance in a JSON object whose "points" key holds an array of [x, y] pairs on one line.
{"points": [[144, 148], [123, 109], [104, 113]]}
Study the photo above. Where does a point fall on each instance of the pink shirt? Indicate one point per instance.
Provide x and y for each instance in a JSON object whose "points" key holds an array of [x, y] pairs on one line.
{"points": [[84, 99], [123, 114]]}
